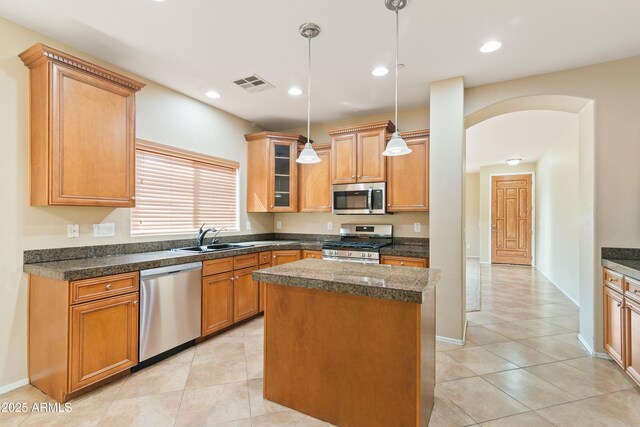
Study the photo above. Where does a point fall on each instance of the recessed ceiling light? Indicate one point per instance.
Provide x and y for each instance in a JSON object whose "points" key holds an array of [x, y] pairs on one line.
{"points": [[295, 91], [380, 71], [513, 162], [213, 94], [490, 46]]}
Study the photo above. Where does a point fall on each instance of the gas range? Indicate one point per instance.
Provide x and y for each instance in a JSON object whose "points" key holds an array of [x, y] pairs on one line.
{"points": [[359, 243]]}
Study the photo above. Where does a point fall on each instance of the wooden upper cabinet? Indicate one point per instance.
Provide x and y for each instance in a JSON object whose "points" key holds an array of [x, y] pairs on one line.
{"points": [[272, 172], [408, 175], [82, 131], [315, 191], [356, 152]]}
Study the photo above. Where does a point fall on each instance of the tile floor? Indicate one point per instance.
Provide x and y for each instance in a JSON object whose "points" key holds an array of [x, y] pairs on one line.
{"points": [[521, 366]]}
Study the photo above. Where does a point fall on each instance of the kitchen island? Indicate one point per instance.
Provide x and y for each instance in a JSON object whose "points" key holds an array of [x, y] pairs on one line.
{"points": [[351, 344]]}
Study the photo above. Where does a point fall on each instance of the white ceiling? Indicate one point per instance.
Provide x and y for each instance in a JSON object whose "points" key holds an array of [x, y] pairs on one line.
{"points": [[197, 45], [526, 135]]}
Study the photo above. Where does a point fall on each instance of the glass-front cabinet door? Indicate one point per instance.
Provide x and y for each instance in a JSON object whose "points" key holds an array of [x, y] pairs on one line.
{"points": [[284, 197]]}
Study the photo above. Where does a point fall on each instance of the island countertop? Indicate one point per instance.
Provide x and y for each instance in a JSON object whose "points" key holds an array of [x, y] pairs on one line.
{"points": [[406, 284]]}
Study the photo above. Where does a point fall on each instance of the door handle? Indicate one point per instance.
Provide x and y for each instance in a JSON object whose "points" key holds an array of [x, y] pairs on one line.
{"points": [[370, 199]]}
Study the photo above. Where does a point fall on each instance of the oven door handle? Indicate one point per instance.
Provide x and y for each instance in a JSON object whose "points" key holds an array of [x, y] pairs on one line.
{"points": [[370, 199]]}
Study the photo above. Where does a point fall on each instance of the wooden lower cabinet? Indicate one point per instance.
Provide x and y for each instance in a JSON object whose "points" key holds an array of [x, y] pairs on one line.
{"points": [[246, 294], [284, 256], [73, 347], [404, 261], [613, 315], [311, 254], [217, 302], [632, 339]]}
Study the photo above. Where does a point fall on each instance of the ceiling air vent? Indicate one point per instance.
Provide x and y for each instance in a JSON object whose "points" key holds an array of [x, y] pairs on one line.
{"points": [[253, 84]]}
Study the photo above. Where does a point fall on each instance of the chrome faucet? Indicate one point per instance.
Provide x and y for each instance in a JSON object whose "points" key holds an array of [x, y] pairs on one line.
{"points": [[202, 233]]}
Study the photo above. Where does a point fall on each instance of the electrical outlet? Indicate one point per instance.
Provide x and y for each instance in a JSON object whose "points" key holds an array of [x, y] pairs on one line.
{"points": [[416, 227], [278, 225], [248, 225], [104, 230], [329, 225], [73, 230]]}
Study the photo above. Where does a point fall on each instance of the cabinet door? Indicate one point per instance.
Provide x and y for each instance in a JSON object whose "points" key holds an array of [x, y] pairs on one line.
{"points": [[283, 257], [371, 163], [315, 191], [613, 325], [283, 191], [217, 302], [408, 178], [311, 254], [246, 294], [405, 261], [263, 287], [104, 339], [343, 159], [92, 141], [632, 339]]}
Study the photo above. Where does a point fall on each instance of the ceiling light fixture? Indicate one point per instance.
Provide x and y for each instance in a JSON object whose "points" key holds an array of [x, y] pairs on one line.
{"points": [[490, 46], [514, 161], [213, 94], [295, 91], [396, 146], [308, 154], [380, 71]]}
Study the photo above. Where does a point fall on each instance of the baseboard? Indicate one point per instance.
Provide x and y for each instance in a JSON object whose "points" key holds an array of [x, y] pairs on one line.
{"points": [[9, 387], [558, 287], [453, 340], [602, 355], [471, 256], [485, 262], [590, 350]]}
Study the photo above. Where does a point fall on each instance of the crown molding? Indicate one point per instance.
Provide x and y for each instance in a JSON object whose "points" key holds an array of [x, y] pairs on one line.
{"points": [[277, 135], [385, 124], [413, 134]]}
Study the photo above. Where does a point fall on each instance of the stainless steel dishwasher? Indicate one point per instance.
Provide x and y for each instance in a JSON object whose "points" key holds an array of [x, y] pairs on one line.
{"points": [[170, 306]]}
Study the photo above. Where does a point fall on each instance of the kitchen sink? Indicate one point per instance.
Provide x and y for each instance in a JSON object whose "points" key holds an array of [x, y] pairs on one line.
{"points": [[212, 248]]}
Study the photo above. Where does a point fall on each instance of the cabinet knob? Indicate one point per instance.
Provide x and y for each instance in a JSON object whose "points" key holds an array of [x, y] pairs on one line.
{"points": [[108, 286], [619, 304], [353, 176], [274, 257], [231, 279], [237, 278], [635, 291], [401, 262], [135, 303], [133, 197]]}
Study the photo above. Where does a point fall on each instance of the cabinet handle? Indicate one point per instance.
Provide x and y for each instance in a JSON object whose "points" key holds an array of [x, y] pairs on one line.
{"points": [[108, 286], [135, 303]]}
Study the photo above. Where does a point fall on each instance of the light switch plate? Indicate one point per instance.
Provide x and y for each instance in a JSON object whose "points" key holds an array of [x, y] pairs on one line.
{"points": [[329, 225], [104, 230], [416, 227], [278, 225], [73, 230], [248, 225]]}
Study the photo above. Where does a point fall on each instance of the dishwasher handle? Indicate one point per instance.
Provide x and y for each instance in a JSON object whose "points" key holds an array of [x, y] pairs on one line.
{"points": [[171, 269]]}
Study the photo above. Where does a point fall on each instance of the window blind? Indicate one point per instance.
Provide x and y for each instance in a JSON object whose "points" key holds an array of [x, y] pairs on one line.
{"points": [[178, 191]]}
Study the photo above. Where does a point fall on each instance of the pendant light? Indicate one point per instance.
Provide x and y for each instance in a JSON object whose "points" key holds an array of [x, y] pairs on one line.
{"points": [[396, 146], [308, 154]]}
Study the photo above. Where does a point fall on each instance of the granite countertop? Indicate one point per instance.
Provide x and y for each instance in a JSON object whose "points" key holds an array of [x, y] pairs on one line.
{"points": [[628, 267], [406, 284], [85, 268]]}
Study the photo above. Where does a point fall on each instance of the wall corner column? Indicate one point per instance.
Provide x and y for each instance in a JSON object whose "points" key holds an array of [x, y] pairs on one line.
{"points": [[446, 216]]}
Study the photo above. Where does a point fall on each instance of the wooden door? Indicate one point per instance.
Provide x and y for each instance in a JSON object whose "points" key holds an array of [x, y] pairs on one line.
{"points": [[632, 339], [283, 176], [408, 176], [245, 294], [217, 302], [93, 145], [613, 325], [371, 166], [104, 339], [315, 191], [511, 219], [263, 286], [343, 159], [404, 261], [283, 257]]}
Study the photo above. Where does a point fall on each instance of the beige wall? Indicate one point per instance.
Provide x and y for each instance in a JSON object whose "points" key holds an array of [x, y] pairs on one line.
{"points": [[472, 214], [485, 200], [163, 116], [316, 223], [558, 214]]}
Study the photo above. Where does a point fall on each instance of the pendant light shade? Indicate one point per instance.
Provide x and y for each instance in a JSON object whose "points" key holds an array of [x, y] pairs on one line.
{"points": [[308, 154], [396, 146]]}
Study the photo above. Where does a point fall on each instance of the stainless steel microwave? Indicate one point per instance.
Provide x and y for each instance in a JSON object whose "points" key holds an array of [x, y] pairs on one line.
{"points": [[359, 199]]}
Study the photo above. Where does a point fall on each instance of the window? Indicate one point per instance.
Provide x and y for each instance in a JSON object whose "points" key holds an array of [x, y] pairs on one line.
{"points": [[177, 191]]}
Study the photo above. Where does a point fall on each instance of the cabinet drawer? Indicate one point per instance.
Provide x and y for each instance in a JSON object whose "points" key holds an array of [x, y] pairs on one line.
{"points": [[632, 288], [311, 254], [612, 279], [404, 261], [217, 266], [101, 287], [265, 257], [245, 261]]}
